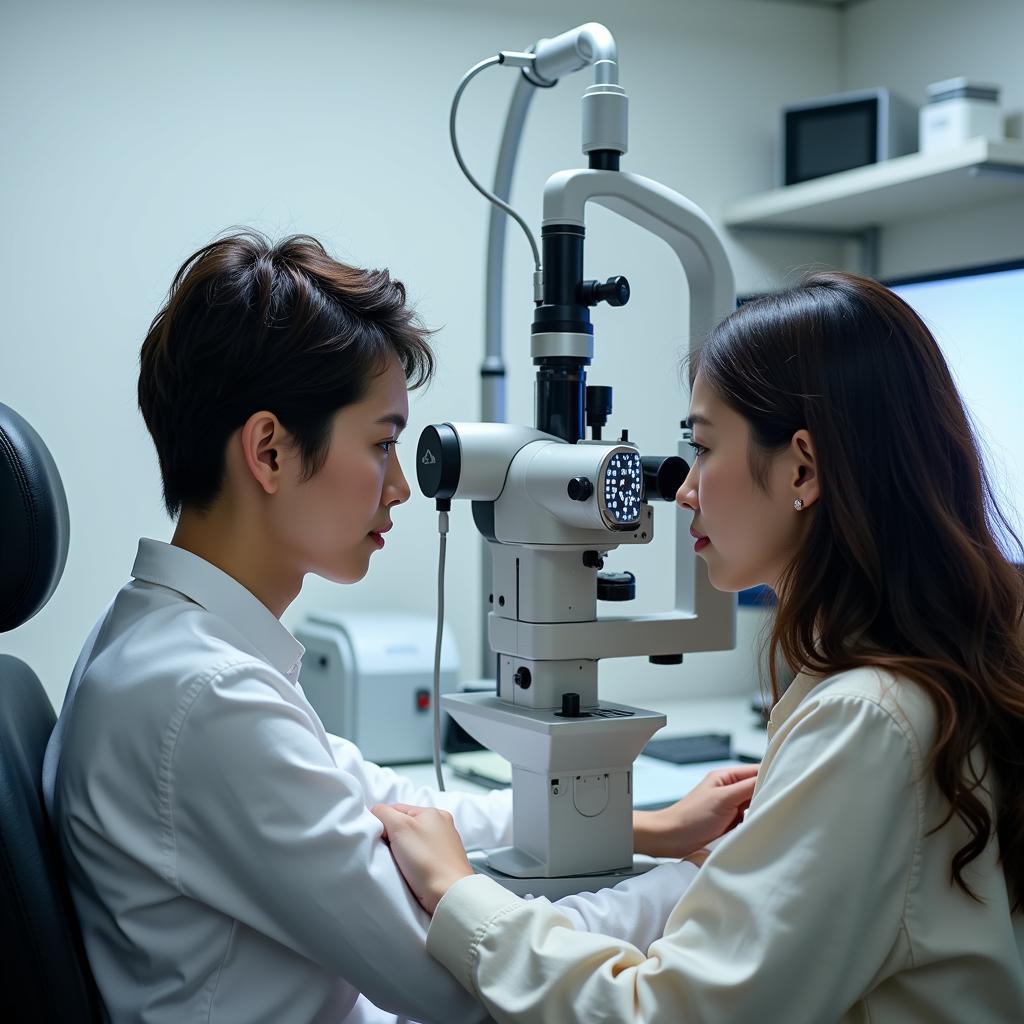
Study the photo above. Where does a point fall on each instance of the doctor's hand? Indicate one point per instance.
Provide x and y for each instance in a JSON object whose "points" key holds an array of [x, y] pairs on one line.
{"points": [[426, 848], [713, 807]]}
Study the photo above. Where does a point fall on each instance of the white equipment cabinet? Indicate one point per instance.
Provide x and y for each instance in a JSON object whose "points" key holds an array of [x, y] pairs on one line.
{"points": [[369, 675]]}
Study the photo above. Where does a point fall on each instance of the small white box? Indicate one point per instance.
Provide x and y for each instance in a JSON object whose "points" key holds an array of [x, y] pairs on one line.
{"points": [[958, 110], [369, 676]]}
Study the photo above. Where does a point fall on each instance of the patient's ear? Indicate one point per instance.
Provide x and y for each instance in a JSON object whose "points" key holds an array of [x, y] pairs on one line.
{"points": [[805, 481], [264, 441]]}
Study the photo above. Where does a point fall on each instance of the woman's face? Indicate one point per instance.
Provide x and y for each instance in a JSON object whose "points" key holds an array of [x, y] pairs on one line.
{"points": [[745, 534], [333, 523]]}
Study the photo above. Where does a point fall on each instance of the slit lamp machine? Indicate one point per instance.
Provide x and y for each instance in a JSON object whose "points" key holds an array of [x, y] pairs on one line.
{"points": [[551, 501]]}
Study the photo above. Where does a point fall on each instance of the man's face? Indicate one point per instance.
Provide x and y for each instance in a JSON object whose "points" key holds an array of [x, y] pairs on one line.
{"points": [[332, 523]]}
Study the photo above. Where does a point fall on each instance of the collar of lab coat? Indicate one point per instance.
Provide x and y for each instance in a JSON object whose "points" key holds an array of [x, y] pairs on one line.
{"points": [[801, 686], [222, 595]]}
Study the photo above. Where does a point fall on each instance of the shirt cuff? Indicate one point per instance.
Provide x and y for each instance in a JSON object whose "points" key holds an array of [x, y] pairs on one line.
{"points": [[460, 921]]}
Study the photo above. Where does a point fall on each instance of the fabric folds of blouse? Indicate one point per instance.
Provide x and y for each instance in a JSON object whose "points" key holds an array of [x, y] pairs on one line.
{"points": [[831, 902]]}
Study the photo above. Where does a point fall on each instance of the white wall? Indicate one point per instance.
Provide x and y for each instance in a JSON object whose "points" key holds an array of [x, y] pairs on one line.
{"points": [[133, 132], [906, 44]]}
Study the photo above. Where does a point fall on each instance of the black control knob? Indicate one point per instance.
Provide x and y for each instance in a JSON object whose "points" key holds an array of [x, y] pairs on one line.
{"points": [[571, 705], [616, 586], [614, 291], [593, 560], [580, 488], [598, 407], [522, 678]]}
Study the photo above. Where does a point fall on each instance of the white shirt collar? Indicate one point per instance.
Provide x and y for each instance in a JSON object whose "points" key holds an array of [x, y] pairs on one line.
{"points": [[797, 690], [221, 594]]}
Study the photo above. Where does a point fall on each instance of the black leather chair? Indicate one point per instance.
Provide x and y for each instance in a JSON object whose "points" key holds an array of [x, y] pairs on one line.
{"points": [[44, 975]]}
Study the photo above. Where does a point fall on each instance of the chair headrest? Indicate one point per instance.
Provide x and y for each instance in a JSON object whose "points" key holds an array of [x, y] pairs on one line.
{"points": [[33, 520]]}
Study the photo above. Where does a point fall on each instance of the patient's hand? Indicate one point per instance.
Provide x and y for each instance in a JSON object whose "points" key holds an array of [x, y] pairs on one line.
{"points": [[426, 848], [713, 807]]}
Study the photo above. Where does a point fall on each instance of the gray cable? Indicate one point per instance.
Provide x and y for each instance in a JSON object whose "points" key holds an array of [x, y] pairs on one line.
{"points": [[498, 58], [442, 529]]}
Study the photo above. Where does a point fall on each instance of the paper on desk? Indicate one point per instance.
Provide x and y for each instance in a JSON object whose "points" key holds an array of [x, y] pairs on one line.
{"points": [[484, 767], [656, 783]]}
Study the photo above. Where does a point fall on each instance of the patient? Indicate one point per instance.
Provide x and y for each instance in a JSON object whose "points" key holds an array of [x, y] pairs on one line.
{"points": [[221, 855], [879, 874]]}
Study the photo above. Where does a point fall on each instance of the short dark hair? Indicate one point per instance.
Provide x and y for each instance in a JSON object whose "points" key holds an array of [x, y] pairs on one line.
{"points": [[249, 325]]}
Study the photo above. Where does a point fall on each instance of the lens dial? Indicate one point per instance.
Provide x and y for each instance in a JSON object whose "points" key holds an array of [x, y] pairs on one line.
{"points": [[622, 489]]}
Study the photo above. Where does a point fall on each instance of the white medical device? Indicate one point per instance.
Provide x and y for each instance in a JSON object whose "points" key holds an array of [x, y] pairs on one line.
{"points": [[368, 675], [551, 503]]}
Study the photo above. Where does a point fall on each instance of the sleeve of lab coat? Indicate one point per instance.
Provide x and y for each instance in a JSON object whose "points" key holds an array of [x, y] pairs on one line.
{"points": [[483, 819], [791, 916], [635, 911], [262, 825]]}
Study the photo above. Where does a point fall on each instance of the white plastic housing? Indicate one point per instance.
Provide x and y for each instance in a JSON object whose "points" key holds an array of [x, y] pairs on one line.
{"points": [[605, 110]]}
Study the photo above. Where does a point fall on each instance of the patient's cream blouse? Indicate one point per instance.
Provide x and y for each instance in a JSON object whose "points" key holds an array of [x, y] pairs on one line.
{"points": [[831, 902]]}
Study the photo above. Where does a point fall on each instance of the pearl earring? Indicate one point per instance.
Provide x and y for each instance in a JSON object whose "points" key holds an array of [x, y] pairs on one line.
{"points": [[798, 503]]}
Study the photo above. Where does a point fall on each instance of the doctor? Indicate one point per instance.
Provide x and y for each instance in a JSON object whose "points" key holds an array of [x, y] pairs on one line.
{"points": [[879, 874], [221, 855]]}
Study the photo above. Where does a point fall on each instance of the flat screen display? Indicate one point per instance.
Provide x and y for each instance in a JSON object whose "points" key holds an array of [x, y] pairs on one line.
{"points": [[977, 317]]}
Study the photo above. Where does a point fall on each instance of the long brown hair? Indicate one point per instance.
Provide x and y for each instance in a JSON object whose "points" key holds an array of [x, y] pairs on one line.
{"points": [[901, 566]]}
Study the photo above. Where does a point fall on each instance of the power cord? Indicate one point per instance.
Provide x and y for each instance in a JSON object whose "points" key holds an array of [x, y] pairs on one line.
{"points": [[443, 508], [516, 60]]}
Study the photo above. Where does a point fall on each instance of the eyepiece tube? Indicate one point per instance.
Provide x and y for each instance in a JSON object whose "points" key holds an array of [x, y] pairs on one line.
{"points": [[468, 460], [663, 476]]}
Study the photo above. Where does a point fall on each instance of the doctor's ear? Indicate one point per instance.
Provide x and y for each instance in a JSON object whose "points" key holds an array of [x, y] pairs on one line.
{"points": [[265, 444], [804, 481]]}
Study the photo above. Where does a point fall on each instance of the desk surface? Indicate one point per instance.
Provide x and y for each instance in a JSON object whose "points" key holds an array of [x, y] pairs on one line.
{"points": [[727, 714]]}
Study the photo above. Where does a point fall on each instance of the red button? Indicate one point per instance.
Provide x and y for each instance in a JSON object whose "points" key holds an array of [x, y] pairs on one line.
{"points": [[422, 700]]}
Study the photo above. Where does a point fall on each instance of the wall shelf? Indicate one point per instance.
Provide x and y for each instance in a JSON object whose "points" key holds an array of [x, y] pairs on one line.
{"points": [[904, 188]]}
